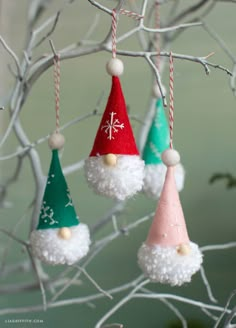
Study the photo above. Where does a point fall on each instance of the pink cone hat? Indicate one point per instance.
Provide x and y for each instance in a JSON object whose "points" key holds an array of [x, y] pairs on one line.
{"points": [[168, 227]]}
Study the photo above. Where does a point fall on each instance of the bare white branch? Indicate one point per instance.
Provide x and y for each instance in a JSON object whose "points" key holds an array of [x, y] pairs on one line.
{"points": [[13, 55]]}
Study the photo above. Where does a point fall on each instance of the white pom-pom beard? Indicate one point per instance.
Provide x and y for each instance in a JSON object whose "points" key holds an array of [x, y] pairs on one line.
{"points": [[120, 181], [50, 248], [167, 266], [154, 177]]}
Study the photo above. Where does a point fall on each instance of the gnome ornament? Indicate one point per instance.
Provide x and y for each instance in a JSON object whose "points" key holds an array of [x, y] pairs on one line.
{"points": [[157, 141], [114, 167], [60, 238], [168, 256], [158, 136]]}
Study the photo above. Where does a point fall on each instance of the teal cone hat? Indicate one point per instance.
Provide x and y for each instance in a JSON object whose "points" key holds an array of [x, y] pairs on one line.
{"points": [[158, 136], [158, 140], [57, 210]]}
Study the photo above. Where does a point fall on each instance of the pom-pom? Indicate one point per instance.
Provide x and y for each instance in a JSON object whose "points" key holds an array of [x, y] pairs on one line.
{"points": [[115, 67], [56, 141], [121, 181], [51, 249], [154, 177], [170, 157], [110, 159], [167, 266], [156, 91]]}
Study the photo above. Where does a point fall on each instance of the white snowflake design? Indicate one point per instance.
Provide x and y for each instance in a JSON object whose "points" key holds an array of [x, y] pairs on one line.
{"points": [[112, 126], [47, 213], [51, 176], [69, 199], [154, 150]]}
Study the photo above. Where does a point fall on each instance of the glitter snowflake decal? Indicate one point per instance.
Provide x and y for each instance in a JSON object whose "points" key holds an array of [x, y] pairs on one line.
{"points": [[112, 126], [47, 213]]}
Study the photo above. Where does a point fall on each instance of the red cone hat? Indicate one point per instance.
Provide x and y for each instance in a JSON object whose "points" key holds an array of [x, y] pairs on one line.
{"points": [[168, 227], [115, 135]]}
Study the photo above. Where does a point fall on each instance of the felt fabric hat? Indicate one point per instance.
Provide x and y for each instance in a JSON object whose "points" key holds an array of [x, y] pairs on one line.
{"points": [[60, 238], [168, 227], [158, 138], [57, 209], [115, 135]]}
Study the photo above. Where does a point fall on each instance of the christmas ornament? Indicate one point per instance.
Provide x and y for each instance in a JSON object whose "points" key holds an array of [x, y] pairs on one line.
{"points": [[114, 167], [157, 141], [158, 138], [168, 256], [60, 238]]}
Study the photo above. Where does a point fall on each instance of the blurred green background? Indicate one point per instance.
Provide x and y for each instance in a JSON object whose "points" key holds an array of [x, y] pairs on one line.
{"points": [[204, 134]]}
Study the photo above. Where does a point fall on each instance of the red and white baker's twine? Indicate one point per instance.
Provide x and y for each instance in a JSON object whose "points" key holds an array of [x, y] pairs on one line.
{"points": [[57, 76], [114, 25], [171, 108], [130, 14], [113, 33]]}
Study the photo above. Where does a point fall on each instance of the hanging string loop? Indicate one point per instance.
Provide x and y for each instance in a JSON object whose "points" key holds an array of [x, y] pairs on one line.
{"points": [[171, 104], [57, 76], [125, 12]]}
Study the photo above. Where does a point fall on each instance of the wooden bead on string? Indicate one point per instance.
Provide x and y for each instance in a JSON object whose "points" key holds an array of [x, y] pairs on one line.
{"points": [[115, 67], [64, 233], [110, 159], [170, 157], [56, 141]]}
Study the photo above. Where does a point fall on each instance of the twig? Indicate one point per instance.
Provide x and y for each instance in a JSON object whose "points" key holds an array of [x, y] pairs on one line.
{"points": [[221, 42], [225, 309], [53, 48], [158, 79], [207, 285], [56, 19], [176, 311], [67, 302], [40, 282], [171, 307], [12, 236], [94, 282], [188, 11], [183, 300], [209, 314], [113, 325], [100, 7], [218, 247], [121, 303], [13, 55]]}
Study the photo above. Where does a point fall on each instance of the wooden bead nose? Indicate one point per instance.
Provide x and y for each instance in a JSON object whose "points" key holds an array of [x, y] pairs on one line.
{"points": [[184, 249], [64, 233], [110, 159]]}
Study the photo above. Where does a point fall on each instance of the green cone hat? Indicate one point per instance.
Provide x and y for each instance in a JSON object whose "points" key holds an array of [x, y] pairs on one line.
{"points": [[57, 210], [158, 137]]}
